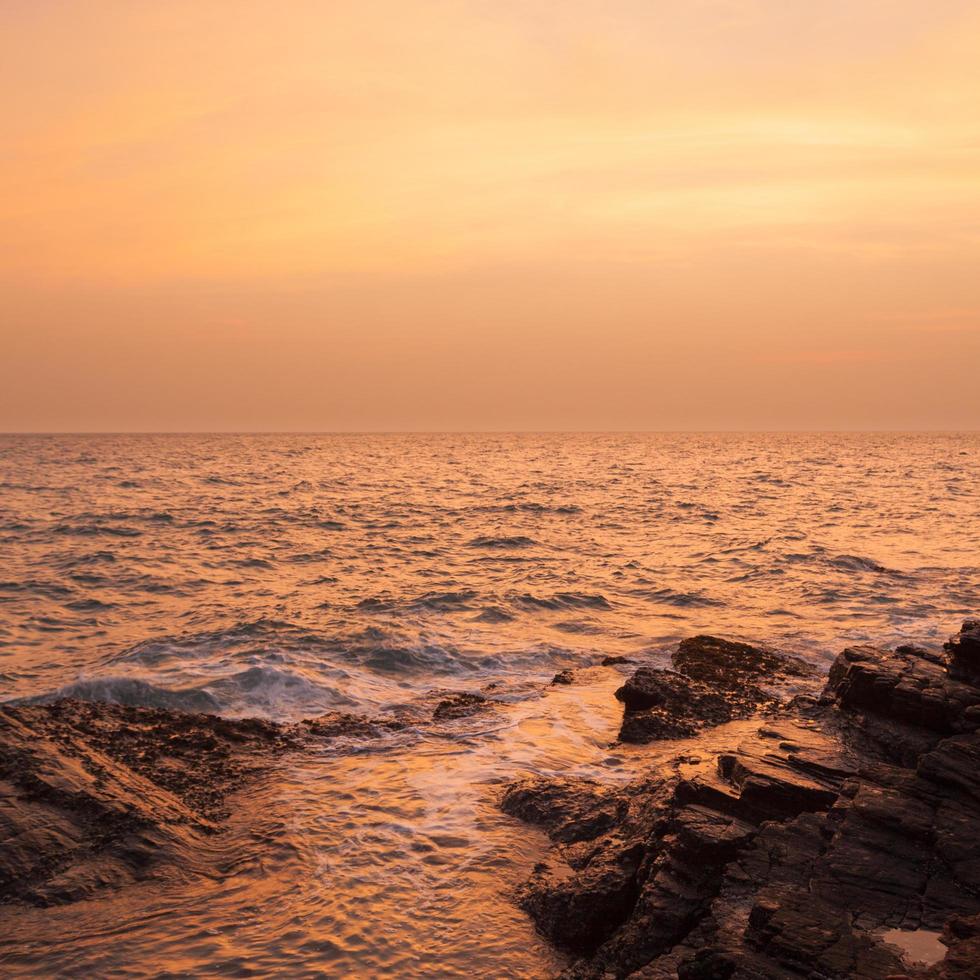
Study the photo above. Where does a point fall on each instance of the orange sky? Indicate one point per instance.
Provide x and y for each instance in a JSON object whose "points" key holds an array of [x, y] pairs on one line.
{"points": [[489, 214]]}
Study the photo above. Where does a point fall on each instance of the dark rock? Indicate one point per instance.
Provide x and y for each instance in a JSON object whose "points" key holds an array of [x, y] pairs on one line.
{"points": [[714, 681], [613, 661], [98, 795], [800, 772], [964, 653], [962, 962], [728, 663], [579, 912], [459, 704], [569, 810], [954, 761], [665, 704], [339, 723], [793, 849], [903, 688], [563, 677], [812, 937], [923, 653]]}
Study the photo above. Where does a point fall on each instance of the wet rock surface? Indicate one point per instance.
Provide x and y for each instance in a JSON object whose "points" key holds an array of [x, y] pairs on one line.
{"points": [[790, 848], [460, 704], [99, 795], [569, 810], [964, 653], [728, 664], [714, 681], [337, 724], [96, 795]]}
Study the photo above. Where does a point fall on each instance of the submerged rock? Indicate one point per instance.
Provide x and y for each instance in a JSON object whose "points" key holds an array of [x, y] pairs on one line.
{"points": [[335, 724], [459, 704], [97, 795]]}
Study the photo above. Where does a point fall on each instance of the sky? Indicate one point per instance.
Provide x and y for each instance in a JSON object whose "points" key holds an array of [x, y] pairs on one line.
{"points": [[489, 215]]}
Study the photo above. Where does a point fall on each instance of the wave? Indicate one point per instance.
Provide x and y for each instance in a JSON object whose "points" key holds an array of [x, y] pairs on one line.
{"points": [[532, 507], [855, 563], [444, 601], [85, 605], [285, 662], [515, 541], [759, 545], [49, 590], [91, 530], [670, 597], [563, 600], [131, 691], [258, 690], [432, 601], [306, 558], [577, 627], [275, 691], [419, 658], [93, 557], [493, 614]]}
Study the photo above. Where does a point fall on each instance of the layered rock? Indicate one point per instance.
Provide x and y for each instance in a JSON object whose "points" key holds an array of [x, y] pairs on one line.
{"points": [[97, 795], [964, 653], [791, 852]]}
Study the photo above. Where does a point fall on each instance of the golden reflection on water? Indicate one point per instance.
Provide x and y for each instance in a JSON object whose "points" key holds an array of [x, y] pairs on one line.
{"points": [[286, 575], [385, 861], [290, 575]]}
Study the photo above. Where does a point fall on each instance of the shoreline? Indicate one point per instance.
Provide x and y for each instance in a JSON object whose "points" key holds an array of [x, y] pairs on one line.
{"points": [[742, 754]]}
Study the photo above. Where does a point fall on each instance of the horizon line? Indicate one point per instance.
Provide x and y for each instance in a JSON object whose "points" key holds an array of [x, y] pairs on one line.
{"points": [[416, 432]]}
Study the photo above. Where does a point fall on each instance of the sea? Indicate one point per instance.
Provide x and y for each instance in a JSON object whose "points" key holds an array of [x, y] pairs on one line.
{"points": [[287, 575]]}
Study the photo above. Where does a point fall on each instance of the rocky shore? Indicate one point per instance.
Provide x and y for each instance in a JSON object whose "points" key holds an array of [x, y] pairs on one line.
{"points": [[96, 795], [780, 823], [824, 835]]}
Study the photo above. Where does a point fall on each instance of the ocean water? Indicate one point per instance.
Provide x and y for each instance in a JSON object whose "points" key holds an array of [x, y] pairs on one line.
{"points": [[287, 575]]}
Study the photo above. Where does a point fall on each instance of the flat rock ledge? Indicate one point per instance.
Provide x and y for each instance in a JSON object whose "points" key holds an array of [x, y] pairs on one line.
{"points": [[784, 840], [96, 795]]}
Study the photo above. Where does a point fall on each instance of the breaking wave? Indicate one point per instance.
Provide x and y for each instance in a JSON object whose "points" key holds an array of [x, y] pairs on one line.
{"points": [[132, 691]]}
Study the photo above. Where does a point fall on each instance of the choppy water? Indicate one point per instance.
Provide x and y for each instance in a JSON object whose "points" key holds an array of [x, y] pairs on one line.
{"points": [[287, 575]]}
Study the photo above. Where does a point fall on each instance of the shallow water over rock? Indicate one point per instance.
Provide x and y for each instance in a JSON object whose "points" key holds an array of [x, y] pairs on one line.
{"points": [[381, 858]]}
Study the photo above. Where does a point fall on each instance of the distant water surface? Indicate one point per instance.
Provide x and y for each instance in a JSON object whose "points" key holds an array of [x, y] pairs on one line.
{"points": [[286, 575]]}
